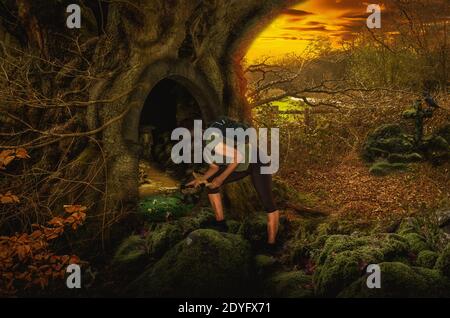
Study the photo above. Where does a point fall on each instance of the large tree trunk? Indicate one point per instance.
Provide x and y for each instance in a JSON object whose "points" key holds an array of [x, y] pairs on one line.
{"points": [[199, 44]]}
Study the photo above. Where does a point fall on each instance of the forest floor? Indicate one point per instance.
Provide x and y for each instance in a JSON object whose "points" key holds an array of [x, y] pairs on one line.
{"points": [[153, 180], [347, 186]]}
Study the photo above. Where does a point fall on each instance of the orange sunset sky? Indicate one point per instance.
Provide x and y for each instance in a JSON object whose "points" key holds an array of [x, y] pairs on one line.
{"points": [[292, 30], [338, 20]]}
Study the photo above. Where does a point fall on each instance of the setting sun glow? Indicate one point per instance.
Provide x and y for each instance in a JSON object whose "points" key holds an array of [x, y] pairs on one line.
{"points": [[296, 27]]}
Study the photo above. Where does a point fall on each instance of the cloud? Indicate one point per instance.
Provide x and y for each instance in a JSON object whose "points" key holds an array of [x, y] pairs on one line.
{"points": [[321, 28], [343, 5], [296, 12], [355, 16], [293, 38], [314, 23], [293, 20]]}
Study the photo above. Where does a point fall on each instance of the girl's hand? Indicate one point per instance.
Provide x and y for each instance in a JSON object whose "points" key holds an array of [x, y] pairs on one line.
{"points": [[194, 183], [216, 183], [199, 180]]}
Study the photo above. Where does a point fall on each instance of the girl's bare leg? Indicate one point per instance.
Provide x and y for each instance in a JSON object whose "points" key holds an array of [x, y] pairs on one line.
{"points": [[216, 202], [272, 226]]}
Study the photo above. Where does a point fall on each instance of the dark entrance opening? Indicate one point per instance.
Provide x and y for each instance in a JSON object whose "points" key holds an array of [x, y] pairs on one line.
{"points": [[168, 106]]}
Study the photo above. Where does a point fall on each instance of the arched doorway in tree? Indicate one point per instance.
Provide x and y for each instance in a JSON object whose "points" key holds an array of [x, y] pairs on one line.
{"points": [[168, 105]]}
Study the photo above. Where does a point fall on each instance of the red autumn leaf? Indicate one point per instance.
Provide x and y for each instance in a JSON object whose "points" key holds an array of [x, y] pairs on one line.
{"points": [[21, 153], [56, 221], [74, 259], [36, 234], [74, 208], [9, 198], [6, 156]]}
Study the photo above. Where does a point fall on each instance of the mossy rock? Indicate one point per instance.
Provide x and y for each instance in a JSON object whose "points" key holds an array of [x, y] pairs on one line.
{"points": [[383, 168], [385, 140], [343, 259], [233, 226], [435, 142], [295, 284], [159, 208], [409, 113], [386, 131], [396, 145], [254, 228], [408, 225], [427, 259], [416, 242], [436, 149], [401, 280], [404, 158], [202, 218], [443, 262], [444, 132], [163, 238], [205, 264], [264, 264], [131, 251], [139, 249]]}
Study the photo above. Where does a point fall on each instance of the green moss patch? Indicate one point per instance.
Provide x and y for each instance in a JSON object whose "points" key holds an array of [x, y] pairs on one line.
{"points": [[401, 280], [205, 264], [160, 208], [294, 284]]}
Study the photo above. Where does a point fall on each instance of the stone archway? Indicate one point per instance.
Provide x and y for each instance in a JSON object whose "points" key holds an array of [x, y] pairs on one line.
{"points": [[180, 72]]}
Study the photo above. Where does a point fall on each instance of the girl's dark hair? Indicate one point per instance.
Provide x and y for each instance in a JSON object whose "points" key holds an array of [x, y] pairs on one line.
{"points": [[224, 122]]}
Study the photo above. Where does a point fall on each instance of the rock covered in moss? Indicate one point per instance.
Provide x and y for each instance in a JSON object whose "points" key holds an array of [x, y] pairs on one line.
{"points": [[436, 149], [202, 218], [443, 262], [254, 228], [264, 264], [343, 259], [384, 140], [407, 225], [443, 218], [416, 242], [295, 284], [233, 226], [390, 149], [401, 280], [131, 251], [205, 264], [137, 250], [163, 236], [264, 261], [383, 168], [404, 158], [427, 259], [444, 132]]}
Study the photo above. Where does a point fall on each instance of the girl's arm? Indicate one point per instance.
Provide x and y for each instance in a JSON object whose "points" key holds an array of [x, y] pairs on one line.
{"points": [[213, 168], [237, 157]]}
